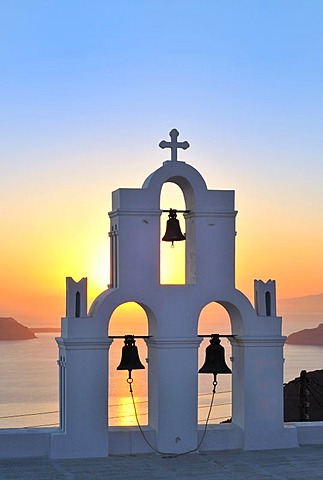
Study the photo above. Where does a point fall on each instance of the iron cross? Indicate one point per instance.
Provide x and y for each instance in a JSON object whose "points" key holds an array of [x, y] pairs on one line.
{"points": [[174, 144]]}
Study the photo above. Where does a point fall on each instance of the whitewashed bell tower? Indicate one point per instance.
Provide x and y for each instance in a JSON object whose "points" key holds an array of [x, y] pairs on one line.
{"points": [[173, 312]]}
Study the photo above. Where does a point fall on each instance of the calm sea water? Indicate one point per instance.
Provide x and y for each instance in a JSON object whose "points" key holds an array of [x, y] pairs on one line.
{"points": [[29, 380]]}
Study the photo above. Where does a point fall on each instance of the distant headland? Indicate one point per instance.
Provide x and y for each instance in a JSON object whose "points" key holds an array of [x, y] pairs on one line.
{"points": [[308, 336], [10, 329], [310, 304]]}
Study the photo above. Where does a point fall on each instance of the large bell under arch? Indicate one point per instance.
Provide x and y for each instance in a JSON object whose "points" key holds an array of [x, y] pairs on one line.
{"points": [[172, 260], [127, 318], [214, 318]]}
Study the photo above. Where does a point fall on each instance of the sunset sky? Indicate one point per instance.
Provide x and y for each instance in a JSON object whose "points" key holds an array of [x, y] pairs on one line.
{"points": [[88, 90]]}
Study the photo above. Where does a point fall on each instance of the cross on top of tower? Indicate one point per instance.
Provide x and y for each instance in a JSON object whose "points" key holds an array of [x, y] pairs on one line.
{"points": [[174, 144]]}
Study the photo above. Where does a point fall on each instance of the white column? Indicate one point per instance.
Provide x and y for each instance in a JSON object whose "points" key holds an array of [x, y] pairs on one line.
{"points": [[173, 392], [85, 396], [257, 392]]}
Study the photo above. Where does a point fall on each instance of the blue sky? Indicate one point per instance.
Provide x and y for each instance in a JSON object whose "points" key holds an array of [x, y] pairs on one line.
{"points": [[89, 88]]}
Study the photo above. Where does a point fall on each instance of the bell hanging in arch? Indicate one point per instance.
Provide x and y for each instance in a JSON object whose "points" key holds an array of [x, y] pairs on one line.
{"points": [[130, 358], [173, 230], [215, 358]]}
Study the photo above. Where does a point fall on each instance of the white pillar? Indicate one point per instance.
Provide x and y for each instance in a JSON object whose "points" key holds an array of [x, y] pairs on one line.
{"points": [[265, 298], [76, 298], [173, 392], [84, 399], [257, 392]]}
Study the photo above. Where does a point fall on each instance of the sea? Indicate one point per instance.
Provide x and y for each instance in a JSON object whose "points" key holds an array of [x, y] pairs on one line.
{"points": [[29, 379]]}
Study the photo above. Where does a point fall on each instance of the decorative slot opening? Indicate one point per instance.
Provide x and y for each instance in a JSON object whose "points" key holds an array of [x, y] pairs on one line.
{"points": [[268, 304], [77, 304]]}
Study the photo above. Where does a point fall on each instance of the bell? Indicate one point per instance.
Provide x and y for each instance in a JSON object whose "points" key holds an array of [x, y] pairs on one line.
{"points": [[173, 229], [214, 358], [130, 358]]}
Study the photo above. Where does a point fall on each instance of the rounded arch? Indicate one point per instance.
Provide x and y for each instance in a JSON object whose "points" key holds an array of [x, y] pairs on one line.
{"points": [[189, 180], [108, 301], [127, 319], [214, 318], [240, 320], [244, 320]]}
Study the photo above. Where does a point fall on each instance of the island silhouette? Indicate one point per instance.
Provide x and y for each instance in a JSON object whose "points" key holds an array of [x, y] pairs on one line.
{"points": [[308, 336]]}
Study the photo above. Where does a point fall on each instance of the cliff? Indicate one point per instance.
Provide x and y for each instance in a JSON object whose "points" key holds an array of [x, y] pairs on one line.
{"points": [[10, 329], [309, 336], [314, 398]]}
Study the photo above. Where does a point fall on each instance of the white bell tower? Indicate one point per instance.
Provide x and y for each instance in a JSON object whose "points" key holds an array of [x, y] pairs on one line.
{"points": [[173, 312]]}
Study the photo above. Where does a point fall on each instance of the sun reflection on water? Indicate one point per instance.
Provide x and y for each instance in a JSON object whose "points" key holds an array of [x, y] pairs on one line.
{"points": [[121, 411]]}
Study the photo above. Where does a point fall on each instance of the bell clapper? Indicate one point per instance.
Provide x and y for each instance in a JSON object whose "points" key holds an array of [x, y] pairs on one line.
{"points": [[214, 383]]}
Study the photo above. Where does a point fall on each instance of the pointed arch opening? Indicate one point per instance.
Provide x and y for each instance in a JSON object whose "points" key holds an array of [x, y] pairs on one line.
{"points": [[214, 318], [127, 319], [172, 258]]}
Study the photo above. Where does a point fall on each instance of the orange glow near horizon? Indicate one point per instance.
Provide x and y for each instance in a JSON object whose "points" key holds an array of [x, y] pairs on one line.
{"points": [[286, 253], [84, 112], [42, 250]]}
